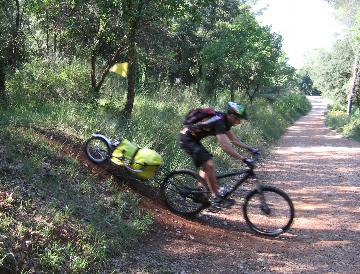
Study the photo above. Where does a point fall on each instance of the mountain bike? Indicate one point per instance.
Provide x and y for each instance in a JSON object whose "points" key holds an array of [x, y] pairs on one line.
{"points": [[267, 210]]}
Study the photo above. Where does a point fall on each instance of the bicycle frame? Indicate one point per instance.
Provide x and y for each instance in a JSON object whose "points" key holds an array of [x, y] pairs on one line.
{"points": [[185, 193], [249, 173]]}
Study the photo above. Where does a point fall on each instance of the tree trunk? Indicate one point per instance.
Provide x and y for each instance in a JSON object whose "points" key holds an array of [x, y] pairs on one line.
{"points": [[96, 86], [352, 87], [232, 92], [93, 74], [232, 95], [210, 83], [2, 85], [55, 42], [131, 74], [15, 42]]}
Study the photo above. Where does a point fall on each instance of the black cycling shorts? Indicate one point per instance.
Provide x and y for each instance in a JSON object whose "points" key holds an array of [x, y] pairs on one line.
{"points": [[195, 149]]}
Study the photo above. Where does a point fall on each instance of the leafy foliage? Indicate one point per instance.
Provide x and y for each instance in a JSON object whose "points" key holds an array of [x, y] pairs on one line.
{"points": [[246, 55], [348, 126], [331, 70], [57, 79]]}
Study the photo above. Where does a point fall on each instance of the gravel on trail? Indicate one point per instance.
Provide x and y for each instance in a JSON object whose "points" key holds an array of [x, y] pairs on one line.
{"points": [[319, 170]]}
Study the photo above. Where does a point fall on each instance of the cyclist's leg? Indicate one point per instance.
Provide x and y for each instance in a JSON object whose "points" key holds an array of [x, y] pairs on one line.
{"points": [[208, 173], [201, 158]]}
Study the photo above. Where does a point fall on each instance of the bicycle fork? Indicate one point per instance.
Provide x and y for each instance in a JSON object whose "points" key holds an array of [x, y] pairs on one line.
{"points": [[263, 205]]}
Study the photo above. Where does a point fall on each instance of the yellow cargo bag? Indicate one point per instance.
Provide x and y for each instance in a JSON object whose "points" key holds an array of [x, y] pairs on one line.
{"points": [[124, 151], [148, 161], [143, 161]]}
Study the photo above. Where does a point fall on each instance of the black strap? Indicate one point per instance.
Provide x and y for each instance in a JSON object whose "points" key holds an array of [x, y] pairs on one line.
{"points": [[133, 157]]}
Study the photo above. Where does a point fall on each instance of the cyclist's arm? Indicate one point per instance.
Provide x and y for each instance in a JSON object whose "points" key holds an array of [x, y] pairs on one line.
{"points": [[223, 141], [235, 141]]}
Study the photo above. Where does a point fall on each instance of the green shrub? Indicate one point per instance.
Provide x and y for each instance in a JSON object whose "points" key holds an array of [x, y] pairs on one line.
{"points": [[339, 120], [271, 123], [56, 80], [292, 105]]}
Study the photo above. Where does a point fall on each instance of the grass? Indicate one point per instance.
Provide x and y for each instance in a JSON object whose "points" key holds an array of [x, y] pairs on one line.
{"points": [[65, 219], [349, 126]]}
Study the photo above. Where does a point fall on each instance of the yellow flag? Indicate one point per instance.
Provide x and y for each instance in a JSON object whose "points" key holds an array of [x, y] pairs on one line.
{"points": [[120, 68]]}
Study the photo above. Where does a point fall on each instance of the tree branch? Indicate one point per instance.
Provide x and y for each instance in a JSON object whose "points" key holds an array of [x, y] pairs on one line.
{"points": [[110, 63]]}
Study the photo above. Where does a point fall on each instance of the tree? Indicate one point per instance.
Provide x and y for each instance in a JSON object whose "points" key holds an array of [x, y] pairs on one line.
{"points": [[140, 13], [331, 70], [349, 12], [355, 71], [353, 82], [10, 40], [246, 55], [107, 31], [306, 84]]}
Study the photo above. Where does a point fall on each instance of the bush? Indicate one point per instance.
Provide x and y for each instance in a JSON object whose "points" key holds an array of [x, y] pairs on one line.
{"points": [[50, 80], [349, 126], [337, 119], [271, 123], [292, 106]]}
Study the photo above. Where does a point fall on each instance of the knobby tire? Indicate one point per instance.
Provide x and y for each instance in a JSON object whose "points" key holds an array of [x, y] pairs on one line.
{"points": [[279, 216], [184, 192]]}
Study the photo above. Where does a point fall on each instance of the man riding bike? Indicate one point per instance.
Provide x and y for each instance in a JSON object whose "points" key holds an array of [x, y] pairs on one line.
{"points": [[219, 124]]}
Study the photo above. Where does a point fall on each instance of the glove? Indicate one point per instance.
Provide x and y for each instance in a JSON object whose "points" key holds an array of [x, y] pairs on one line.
{"points": [[249, 162], [253, 150]]}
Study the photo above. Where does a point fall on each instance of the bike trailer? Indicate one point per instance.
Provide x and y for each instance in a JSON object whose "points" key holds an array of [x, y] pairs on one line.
{"points": [[143, 162]]}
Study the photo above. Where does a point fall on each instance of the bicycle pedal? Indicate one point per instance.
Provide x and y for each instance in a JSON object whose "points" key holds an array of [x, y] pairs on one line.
{"points": [[227, 203], [227, 206], [214, 209]]}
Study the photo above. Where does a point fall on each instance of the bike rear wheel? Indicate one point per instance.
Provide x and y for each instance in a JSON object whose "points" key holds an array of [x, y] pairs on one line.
{"points": [[269, 212], [97, 150], [185, 192]]}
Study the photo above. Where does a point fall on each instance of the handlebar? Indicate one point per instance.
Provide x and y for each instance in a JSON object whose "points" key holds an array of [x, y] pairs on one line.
{"points": [[251, 162]]}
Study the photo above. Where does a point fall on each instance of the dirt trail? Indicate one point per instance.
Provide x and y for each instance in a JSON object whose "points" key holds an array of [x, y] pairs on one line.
{"points": [[319, 170]]}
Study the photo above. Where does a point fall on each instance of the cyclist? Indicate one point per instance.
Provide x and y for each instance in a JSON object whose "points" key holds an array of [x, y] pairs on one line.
{"points": [[219, 124]]}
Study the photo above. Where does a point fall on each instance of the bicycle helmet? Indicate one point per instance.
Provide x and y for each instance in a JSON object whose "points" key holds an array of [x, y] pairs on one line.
{"points": [[237, 109]]}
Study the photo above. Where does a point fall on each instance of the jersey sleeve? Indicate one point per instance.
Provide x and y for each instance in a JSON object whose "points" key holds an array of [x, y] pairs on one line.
{"points": [[220, 127]]}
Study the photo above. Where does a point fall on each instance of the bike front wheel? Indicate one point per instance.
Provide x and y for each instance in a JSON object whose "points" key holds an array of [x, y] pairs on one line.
{"points": [[268, 212], [185, 192], [97, 150]]}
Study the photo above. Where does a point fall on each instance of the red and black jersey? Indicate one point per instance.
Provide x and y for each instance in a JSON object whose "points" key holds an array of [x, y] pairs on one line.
{"points": [[217, 124]]}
